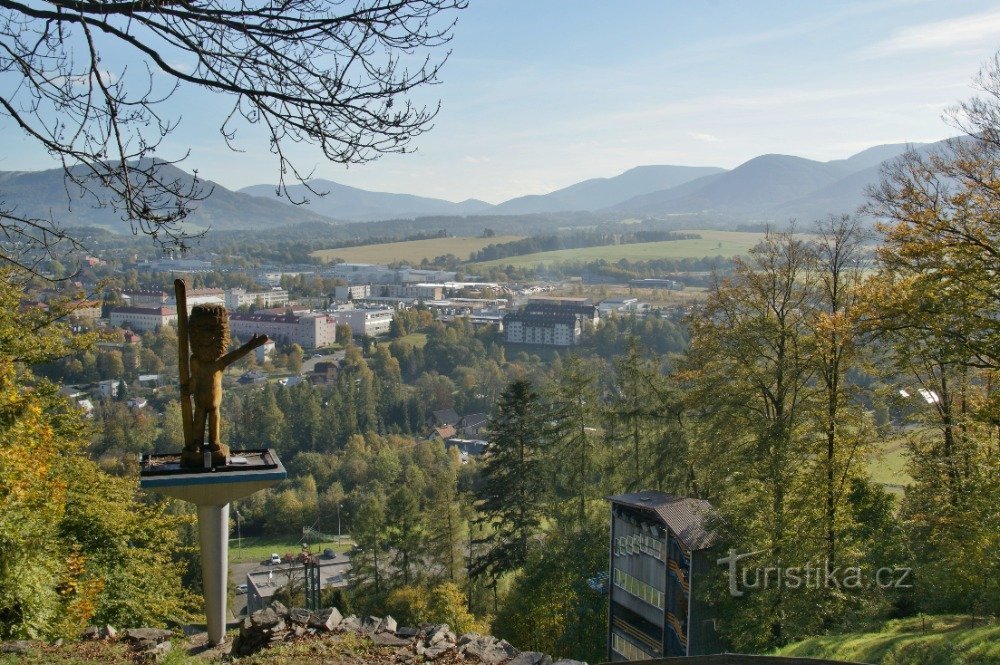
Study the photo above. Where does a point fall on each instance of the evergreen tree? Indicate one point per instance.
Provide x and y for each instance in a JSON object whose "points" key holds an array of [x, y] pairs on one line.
{"points": [[404, 533], [513, 487], [573, 449]]}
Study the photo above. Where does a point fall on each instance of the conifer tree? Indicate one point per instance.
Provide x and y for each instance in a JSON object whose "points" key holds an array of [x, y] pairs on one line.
{"points": [[510, 497]]}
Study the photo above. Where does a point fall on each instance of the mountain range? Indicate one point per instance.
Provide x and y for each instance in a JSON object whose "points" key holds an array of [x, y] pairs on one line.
{"points": [[765, 188]]}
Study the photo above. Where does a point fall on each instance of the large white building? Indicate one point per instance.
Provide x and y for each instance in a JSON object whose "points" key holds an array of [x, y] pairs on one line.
{"points": [[371, 322], [236, 298], [142, 319], [310, 331], [352, 292], [543, 328], [202, 297]]}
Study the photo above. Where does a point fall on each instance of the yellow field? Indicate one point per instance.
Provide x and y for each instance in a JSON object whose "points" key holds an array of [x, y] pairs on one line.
{"points": [[411, 251]]}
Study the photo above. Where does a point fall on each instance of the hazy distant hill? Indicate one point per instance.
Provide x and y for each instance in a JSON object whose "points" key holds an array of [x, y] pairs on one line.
{"points": [[351, 203], [600, 193], [47, 194], [775, 187], [768, 187]]}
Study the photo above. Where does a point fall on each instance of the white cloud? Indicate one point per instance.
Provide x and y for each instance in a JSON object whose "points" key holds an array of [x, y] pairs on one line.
{"points": [[702, 136], [950, 33], [470, 159]]}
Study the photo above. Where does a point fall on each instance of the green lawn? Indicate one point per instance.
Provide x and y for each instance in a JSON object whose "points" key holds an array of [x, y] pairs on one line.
{"points": [[888, 464], [417, 340], [412, 251], [259, 548], [932, 640], [712, 243]]}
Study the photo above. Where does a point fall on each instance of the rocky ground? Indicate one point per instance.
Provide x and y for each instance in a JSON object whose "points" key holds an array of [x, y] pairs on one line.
{"points": [[281, 636]]}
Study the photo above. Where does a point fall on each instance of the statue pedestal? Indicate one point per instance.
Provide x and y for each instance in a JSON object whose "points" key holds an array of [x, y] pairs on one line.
{"points": [[212, 490]]}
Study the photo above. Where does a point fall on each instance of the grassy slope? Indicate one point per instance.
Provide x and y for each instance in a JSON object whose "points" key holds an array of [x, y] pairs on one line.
{"points": [[412, 251], [934, 640]]}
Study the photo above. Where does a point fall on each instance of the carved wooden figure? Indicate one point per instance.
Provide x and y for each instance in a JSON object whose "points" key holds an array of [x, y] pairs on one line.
{"points": [[207, 332]]}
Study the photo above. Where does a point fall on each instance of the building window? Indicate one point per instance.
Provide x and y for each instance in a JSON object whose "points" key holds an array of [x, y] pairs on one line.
{"points": [[626, 649], [636, 587]]}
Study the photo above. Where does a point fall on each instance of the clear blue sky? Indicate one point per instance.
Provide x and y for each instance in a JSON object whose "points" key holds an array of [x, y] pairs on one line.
{"points": [[539, 94]]}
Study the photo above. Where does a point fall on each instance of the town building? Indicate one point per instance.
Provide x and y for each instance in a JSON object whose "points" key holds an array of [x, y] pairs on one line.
{"points": [[202, 297], [263, 584], [352, 292], [414, 291], [659, 561], [236, 298], [582, 307], [310, 331], [554, 328], [146, 298], [657, 283], [142, 319], [363, 321], [623, 306]]}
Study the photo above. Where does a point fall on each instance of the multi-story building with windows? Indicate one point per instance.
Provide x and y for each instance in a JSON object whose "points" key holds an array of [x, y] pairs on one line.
{"points": [[542, 328], [371, 322], [310, 331], [142, 318], [659, 557], [352, 292], [236, 298]]}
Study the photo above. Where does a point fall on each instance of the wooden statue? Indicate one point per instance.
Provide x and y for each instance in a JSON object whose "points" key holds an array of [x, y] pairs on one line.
{"points": [[207, 333]]}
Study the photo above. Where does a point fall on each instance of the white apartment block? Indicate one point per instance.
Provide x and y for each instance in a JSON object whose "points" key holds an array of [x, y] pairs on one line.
{"points": [[236, 298], [203, 297], [142, 319], [310, 331], [371, 322], [543, 329], [352, 292]]}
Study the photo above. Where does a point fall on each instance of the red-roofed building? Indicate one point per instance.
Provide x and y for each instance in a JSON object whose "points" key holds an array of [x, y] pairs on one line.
{"points": [[142, 318]]}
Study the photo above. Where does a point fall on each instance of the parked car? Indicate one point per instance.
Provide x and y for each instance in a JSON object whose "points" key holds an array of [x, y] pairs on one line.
{"points": [[275, 559], [241, 589]]}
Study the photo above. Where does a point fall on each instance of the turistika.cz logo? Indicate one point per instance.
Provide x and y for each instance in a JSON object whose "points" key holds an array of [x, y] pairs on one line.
{"points": [[810, 576]]}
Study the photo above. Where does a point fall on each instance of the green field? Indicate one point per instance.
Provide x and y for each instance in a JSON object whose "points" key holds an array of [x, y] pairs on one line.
{"points": [[888, 465], [258, 548], [411, 251], [416, 339], [941, 640], [712, 243]]}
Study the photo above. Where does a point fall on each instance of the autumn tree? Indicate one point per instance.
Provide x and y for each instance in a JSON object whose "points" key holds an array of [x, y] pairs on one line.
{"points": [[750, 370], [75, 543], [935, 303]]}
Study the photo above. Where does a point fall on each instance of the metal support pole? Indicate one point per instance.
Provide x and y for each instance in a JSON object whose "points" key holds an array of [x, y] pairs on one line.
{"points": [[213, 531]]}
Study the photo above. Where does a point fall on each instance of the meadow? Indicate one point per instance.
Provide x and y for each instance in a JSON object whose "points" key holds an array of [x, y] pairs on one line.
{"points": [[711, 243], [411, 251]]}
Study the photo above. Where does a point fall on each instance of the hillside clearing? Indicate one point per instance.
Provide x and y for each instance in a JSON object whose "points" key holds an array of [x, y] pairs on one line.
{"points": [[411, 251]]}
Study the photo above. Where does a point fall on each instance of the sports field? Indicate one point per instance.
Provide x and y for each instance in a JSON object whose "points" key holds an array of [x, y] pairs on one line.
{"points": [[412, 251], [712, 243]]}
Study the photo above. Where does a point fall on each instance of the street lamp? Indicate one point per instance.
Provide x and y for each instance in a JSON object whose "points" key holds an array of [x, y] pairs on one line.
{"points": [[339, 506], [239, 533]]}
